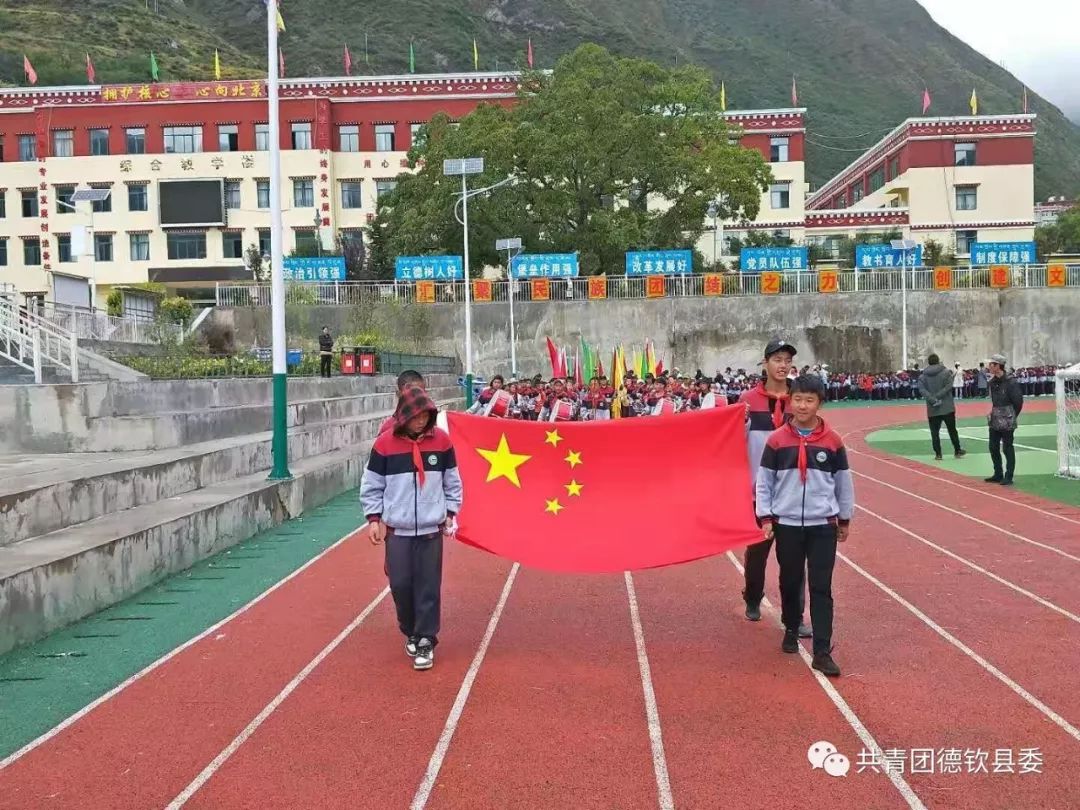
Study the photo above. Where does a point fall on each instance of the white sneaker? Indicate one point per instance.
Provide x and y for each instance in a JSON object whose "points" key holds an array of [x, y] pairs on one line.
{"points": [[410, 647], [425, 655]]}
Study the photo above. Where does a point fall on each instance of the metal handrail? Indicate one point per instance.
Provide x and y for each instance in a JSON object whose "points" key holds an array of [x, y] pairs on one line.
{"points": [[30, 341]]}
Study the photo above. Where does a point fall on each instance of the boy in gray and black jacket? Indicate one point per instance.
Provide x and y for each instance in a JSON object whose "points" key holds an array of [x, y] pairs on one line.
{"points": [[411, 493]]}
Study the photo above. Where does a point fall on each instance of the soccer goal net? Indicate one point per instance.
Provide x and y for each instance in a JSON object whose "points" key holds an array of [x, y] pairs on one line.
{"points": [[1067, 391]]}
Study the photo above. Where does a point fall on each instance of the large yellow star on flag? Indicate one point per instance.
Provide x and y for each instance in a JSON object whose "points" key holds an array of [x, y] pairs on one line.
{"points": [[573, 459], [504, 464], [553, 438], [573, 488], [554, 506]]}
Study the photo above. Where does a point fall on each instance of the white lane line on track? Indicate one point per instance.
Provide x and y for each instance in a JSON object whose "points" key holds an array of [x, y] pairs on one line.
{"points": [[652, 712], [973, 566], [972, 518], [984, 438], [48, 735], [1049, 713], [443, 745], [271, 707], [868, 741]]}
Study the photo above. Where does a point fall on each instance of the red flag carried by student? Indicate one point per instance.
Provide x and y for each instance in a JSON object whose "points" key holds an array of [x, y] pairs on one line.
{"points": [[554, 495]]}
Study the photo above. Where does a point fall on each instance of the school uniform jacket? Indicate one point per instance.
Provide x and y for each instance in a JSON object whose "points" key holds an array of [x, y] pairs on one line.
{"points": [[393, 490], [766, 415], [805, 481]]}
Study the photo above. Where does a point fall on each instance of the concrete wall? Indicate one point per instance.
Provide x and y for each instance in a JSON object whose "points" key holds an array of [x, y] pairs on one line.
{"points": [[857, 331]]}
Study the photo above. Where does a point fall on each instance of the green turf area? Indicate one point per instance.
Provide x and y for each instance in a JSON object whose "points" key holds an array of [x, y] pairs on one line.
{"points": [[43, 683], [1036, 453]]}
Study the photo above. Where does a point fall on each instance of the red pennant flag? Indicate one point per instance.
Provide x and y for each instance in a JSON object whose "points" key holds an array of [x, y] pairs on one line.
{"points": [[348, 62], [28, 69], [1025, 100], [91, 75], [925, 100], [794, 93], [553, 495], [529, 55]]}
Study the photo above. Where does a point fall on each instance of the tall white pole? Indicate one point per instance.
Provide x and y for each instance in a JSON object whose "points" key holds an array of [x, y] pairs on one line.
{"points": [[468, 292], [903, 306], [513, 335], [277, 279]]}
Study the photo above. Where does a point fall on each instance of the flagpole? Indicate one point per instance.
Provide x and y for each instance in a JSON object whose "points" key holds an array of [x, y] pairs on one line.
{"points": [[279, 442]]}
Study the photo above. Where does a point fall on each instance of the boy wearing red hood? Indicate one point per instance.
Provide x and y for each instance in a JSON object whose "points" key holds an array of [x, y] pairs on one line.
{"points": [[411, 492], [805, 500], [766, 410], [405, 380]]}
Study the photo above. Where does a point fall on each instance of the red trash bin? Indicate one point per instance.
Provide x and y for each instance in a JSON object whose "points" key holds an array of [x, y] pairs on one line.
{"points": [[348, 362], [365, 360]]}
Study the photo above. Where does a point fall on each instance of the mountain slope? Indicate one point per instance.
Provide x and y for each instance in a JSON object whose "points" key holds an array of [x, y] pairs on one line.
{"points": [[861, 65]]}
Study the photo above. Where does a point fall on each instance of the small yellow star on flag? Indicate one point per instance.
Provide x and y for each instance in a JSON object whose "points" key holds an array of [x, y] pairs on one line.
{"points": [[573, 459], [554, 507], [553, 438], [504, 464], [573, 488]]}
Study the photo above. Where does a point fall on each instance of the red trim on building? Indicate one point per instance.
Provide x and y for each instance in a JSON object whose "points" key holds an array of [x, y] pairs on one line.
{"points": [[988, 152], [972, 226], [857, 218]]}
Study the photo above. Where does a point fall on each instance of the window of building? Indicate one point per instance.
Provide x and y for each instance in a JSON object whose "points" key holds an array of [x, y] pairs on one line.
{"points": [[877, 179], [307, 241], [384, 187], [840, 201], [303, 193], [63, 248], [232, 244], [31, 251], [139, 246], [780, 195], [228, 137], [99, 142], [1, 148], [894, 168], [856, 192], [29, 202], [384, 137], [3, 204], [102, 206], [138, 197], [349, 138], [27, 147], [964, 241], [778, 150], [3, 251], [183, 140], [416, 134], [232, 195], [264, 242], [135, 140], [63, 143], [186, 245], [262, 137], [301, 135], [967, 198], [262, 193], [64, 205], [964, 154], [350, 194], [103, 247]]}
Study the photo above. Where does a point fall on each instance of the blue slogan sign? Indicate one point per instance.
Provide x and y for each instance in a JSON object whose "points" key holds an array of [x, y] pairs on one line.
{"points": [[328, 268], [756, 259], [1003, 253], [429, 268], [883, 257], [546, 265], [659, 263]]}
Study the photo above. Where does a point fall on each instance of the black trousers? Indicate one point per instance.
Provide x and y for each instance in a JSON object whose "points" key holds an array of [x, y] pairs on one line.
{"points": [[325, 361], [808, 551], [755, 557], [414, 565], [949, 421], [1002, 441]]}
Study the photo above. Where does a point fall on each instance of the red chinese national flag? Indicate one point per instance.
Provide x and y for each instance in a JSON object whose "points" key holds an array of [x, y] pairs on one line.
{"points": [[568, 496]]}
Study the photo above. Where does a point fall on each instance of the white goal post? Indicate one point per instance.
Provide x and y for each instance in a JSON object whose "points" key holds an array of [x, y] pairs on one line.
{"points": [[1067, 398]]}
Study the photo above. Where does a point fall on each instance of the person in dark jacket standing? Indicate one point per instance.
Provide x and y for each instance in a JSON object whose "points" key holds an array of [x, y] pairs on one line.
{"points": [[326, 351], [1006, 402], [936, 387]]}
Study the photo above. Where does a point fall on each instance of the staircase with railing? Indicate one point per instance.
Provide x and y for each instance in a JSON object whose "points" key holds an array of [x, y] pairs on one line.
{"points": [[30, 342]]}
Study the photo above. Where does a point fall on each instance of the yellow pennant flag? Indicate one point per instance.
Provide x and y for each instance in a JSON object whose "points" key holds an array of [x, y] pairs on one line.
{"points": [[217, 65], [974, 102], [723, 97], [475, 55]]}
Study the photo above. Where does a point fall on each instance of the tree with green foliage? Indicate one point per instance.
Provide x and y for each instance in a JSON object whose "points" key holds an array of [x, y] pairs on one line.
{"points": [[1062, 236], [605, 155]]}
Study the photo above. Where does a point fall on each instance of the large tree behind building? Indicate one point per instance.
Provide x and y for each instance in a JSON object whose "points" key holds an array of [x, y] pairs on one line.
{"points": [[585, 146]]}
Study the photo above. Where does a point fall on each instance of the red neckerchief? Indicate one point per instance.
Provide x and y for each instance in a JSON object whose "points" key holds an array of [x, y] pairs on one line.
{"points": [[776, 407], [816, 433]]}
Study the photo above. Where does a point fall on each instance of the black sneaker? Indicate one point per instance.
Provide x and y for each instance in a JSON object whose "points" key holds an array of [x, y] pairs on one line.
{"points": [[806, 631], [937, 457], [824, 664], [791, 641], [1006, 482], [425, 655], [753, 611], [410, 647], [961, 453], [994, 479]]}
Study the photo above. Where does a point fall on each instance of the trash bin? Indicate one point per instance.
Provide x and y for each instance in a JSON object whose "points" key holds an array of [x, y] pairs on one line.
{"points": [[348, 361], [293, 357], [365, 360]]}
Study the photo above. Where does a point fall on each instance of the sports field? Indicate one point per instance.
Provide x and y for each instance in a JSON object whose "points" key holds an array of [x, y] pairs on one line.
{"points": [[274, 676]]}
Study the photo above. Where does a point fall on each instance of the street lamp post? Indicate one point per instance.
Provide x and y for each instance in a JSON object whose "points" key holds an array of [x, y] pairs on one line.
{"points": [[463, 168], [510, 245], [90, 195], [903, 245]]}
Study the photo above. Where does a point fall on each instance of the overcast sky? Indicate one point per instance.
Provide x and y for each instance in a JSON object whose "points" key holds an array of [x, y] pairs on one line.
{"points": [[1037, 40]]}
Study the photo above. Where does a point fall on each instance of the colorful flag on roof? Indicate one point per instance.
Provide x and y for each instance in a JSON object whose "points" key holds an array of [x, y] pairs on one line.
{"points": [[91, 74], [28, 69], [974, 102], [217, 65], [155, 74]]}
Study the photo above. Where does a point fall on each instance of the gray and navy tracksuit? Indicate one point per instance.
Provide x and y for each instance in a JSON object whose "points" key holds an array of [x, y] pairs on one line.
{"points": [[804, 488], [414, 487]]}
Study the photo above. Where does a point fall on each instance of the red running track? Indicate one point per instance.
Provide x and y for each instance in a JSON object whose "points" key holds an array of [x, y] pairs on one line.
{"points": [[952, 634]]}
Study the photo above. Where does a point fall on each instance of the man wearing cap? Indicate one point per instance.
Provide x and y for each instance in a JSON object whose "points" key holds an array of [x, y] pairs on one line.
{"points": [[766, 410], [1006, 402]]}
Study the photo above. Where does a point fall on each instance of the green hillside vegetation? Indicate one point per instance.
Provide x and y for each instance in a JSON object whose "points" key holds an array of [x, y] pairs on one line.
{"points": [[861, 65]]}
